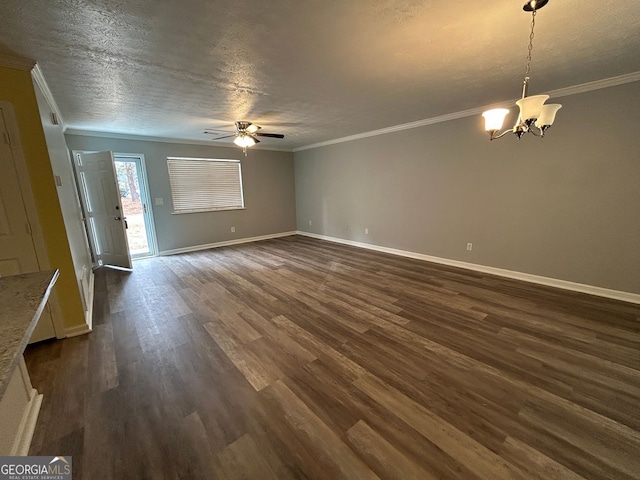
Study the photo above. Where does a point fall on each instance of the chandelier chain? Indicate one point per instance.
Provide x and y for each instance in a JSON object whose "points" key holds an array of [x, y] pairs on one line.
{"points": [[533, 24]]}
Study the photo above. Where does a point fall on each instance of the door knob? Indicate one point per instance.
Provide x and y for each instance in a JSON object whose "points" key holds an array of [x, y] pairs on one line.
{"points": [[118, 218]]}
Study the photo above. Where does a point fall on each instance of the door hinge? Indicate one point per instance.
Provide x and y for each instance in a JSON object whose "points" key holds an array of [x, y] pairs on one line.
{"points": [[144, 207], [6, 137], [29, 231]]}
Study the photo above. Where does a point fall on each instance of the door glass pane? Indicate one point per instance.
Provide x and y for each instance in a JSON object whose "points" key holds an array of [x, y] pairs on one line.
{"points": [[131, 198]]}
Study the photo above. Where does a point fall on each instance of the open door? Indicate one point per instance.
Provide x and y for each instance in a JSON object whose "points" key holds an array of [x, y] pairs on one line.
{"points": [[100, 196]]}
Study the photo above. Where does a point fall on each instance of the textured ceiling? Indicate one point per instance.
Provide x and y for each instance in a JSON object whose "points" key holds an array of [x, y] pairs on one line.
{"points": [[312, 70]]}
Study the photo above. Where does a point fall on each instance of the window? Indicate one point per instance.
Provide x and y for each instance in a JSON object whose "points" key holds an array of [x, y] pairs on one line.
{"points": [[205, 184]]}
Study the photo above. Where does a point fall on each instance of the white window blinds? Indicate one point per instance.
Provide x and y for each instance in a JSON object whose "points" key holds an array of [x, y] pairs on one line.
{"points": [[205, 184]]}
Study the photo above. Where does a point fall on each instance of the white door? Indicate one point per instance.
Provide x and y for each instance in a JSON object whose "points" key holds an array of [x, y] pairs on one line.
{"points": [[101, 200], [17, 250]]}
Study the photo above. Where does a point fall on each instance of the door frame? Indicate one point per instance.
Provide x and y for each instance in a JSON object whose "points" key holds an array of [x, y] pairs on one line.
{"points": [[144, 187], [81, 201], [28, 199], [143, 181]]}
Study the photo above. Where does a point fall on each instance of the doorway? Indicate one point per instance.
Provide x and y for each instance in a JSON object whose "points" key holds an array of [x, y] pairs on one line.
{"points": [[136, 205]]}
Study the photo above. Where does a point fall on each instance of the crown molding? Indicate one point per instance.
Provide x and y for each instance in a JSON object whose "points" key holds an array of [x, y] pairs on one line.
{"points": [[558, 93], [597, 85], [148, 138], [20, 63], [561, 92], [39, 80], [143, 138], [404, 126]]}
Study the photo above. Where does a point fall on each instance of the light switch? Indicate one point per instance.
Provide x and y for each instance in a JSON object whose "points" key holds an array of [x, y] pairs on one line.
{"points": [[159, 201]]}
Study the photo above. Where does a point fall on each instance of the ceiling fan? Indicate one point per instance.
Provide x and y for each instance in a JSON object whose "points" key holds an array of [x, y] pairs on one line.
{"points": [[246, 134]]}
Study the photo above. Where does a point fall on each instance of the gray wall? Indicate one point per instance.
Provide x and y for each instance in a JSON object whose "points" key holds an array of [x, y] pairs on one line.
{"points": [[566, 206], [268, 183], [68, 196]]}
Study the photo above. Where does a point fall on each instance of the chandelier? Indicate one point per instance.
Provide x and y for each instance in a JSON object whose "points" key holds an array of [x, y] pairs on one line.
{"points": [[535, 117]]}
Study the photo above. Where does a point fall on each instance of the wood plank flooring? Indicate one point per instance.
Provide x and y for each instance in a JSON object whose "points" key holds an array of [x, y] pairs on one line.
{"points": [[296, 358]]}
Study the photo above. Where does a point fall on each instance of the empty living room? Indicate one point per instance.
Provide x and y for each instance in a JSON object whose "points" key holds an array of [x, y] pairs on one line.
{"points": [[320, 240]]}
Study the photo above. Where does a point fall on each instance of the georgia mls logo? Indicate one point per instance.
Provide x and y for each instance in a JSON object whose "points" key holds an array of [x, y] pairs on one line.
{"points": [[62, 460], [35, 468]]}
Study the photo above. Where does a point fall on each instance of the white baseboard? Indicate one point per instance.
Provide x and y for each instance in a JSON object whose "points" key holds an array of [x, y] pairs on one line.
{"points": [[527, 277], [78, 330], [28, 425], [227, 243], [90, 294]]}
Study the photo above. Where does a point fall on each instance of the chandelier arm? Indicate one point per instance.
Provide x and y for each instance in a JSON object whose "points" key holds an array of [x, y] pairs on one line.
{"points": [[495, 137]]}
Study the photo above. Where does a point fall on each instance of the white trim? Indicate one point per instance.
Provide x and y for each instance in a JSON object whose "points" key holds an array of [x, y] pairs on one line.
{"points": [[180, 141], [56, 314], [30, 411], [87, 327], [38, 78], [78, 330], [12, 61], [91, 293], [207, 246], [561, 92], [526, 277], [597, 85], [405, 126], [22, 442]]}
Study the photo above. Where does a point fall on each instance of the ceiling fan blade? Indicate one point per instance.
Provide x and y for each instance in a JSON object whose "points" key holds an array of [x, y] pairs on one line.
{"points": [[225, 136], [219, 131], [253, 137], [272, 135]]}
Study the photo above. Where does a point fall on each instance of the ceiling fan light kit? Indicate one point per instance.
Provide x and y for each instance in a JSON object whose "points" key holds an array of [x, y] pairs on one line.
{"points": [[246, 133], [245, 140], [535, 117]]}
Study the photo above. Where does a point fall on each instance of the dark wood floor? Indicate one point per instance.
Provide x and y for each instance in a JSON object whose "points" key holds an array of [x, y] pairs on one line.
{"points": [[297, 358]]}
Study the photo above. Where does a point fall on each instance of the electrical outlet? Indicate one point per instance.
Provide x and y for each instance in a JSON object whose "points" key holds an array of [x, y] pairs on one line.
{"points": [[159, 201], [366, 231], [309, 222], [233, 229], [469, 246]]}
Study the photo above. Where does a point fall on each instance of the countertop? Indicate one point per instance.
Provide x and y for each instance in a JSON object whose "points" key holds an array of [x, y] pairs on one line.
{"points": [[22, 299]]}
